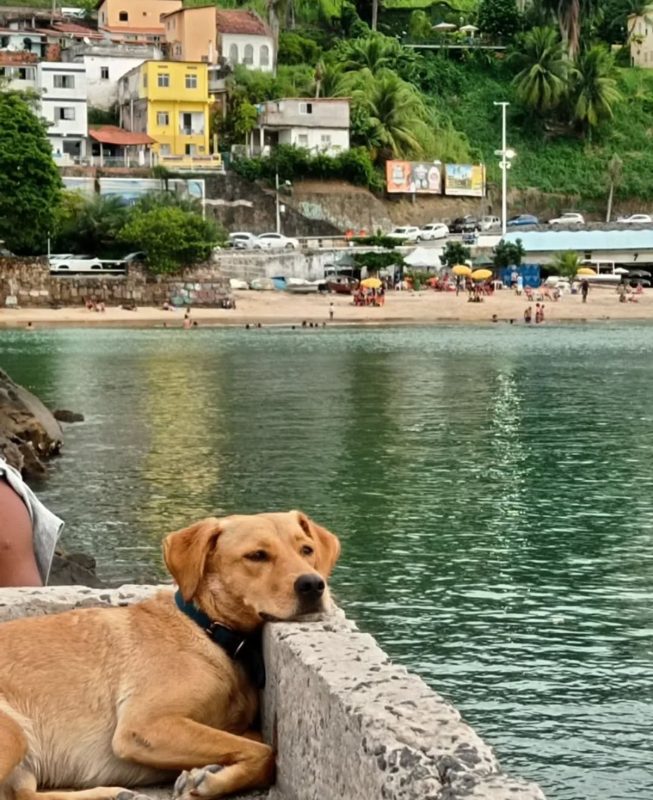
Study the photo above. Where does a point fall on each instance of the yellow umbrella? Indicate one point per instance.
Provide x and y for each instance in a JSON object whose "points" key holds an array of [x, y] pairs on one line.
{"points": [[461, 269], [585, 271], [372, 283], [481, 274]]}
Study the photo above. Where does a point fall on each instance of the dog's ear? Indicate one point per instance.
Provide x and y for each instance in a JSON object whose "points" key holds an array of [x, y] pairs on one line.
{"points": [[185, 554], [327, 544]]}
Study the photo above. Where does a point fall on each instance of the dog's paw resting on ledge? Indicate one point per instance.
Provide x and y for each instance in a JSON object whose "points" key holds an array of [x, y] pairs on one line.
{"points": [[123, 698]]}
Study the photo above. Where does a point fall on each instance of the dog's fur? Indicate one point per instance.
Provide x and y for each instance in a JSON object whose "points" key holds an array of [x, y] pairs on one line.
{"points": [[126, 697]]}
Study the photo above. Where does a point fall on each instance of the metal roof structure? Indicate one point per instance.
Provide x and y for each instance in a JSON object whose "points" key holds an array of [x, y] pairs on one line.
{"points": [[583, 240]]}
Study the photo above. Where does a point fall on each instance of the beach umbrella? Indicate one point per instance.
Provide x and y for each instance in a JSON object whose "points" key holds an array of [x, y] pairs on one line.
{"points": [[445, 26], [621, 271], [468, 29], [639, 273], [462, 270], [372, 283], [481, 274], [585, 271]]}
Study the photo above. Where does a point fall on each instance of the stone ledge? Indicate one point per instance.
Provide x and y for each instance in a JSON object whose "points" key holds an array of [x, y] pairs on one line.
{"points": [[347, 723]]}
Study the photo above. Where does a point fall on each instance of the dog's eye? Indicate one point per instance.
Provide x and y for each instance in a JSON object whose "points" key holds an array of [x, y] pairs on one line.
{"points": [[257, 555], [307, 550]]}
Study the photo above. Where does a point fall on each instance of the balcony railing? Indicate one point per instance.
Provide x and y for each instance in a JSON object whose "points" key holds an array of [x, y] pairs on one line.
{"points": [[191, 131], [212, 162]]}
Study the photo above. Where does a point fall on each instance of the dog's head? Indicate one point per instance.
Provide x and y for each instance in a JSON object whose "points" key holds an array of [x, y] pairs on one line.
{"points": [[246, 570]]}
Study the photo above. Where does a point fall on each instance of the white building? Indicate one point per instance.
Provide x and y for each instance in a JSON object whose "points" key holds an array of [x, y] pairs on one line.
{"points": [[640, 32], [62, 87], [105, 65], [317, 124], [27, 41], [245, 39]]}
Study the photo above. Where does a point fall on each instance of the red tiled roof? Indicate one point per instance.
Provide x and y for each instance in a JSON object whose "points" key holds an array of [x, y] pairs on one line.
{"points": [[241, 21], [112, 134], [146, 31], [17, 58]]}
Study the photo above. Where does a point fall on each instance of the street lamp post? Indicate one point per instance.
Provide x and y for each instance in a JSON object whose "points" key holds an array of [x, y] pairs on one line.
{"points": [[277, 186], [506, 155]]}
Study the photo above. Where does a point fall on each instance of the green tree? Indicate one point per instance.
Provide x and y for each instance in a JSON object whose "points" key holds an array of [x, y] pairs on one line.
{"points": [[171, 237], [420, 27], [396, 117], [454, 253], [30, 186], [91, 226], [499, 19], [542, 80], [567, 264], [594, 88], [245, 117], [508, 254], [374, 53], [297, 49], [569, 15]]}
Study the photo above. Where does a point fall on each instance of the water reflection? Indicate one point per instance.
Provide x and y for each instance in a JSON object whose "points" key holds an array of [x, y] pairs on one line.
{"points": [[492, 488]]}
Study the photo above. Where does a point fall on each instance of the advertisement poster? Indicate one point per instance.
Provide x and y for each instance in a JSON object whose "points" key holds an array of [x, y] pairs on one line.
{"points": [[465, 179], [413, 177]]}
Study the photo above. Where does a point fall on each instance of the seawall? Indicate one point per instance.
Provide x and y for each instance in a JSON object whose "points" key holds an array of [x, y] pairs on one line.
{"points": [[346, 722]]}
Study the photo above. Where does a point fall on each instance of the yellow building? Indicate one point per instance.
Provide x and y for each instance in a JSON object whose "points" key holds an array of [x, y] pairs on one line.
{"points": [[169, 101]]}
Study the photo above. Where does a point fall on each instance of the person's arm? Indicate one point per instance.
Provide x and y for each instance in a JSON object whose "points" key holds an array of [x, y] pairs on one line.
{"points": [[17, 561]]}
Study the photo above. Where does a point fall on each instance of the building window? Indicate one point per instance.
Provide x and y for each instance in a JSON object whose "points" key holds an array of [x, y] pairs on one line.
{"points": [[302, 140], [325, 140], [189, 149], [66, 113], [26, 73], [264, 54], [306, 108], [162, 118], [249, 55], [177, 49], [64, 81], [123, 16], [164, 149], [191, 81], [233, 54], [104, 73], [163, 80], [145, 80]]}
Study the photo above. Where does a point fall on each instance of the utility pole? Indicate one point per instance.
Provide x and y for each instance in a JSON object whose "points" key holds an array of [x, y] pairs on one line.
{"points": [[276, 197], [506, 155]]}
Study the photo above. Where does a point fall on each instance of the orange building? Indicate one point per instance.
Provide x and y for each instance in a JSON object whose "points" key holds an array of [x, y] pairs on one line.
{"points": [[135, 20]]}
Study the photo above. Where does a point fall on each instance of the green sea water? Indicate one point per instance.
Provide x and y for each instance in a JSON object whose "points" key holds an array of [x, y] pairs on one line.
{"points": [[492, 488]]}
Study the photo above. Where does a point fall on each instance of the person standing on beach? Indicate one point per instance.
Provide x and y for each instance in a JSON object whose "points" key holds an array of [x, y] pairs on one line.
{"points": [[528, 315], [331, 311], [584, 289]]}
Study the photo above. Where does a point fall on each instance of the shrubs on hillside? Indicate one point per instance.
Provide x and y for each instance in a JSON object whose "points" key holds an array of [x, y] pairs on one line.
{"points": [[293, 163]]}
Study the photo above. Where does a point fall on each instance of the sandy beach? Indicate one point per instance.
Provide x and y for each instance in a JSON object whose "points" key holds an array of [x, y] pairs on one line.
{"points": [[401, 308]]}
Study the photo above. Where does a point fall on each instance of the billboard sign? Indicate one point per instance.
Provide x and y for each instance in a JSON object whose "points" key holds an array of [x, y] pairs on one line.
{"points": [[413, 177], [465, 180]]}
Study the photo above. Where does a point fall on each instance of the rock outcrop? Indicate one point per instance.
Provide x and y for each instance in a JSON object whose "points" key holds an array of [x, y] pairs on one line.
{"points": [[29, 433]]}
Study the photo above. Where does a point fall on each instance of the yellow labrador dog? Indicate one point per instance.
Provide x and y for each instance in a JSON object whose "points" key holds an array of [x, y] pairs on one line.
{"points": [[98, 699]]}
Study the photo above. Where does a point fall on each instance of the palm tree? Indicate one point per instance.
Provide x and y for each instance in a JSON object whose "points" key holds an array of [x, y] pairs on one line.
{"points": [[397, 116], [594, 89], [568, 14], [567, 264], [331, 81], [544, 69], [374, 52], [615, 172]]}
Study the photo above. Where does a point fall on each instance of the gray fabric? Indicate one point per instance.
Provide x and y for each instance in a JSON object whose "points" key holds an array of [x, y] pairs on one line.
{"points": [[46, 526]]}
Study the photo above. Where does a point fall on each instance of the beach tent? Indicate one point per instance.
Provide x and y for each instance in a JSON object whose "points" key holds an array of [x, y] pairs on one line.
{"points": [[424, 258]]}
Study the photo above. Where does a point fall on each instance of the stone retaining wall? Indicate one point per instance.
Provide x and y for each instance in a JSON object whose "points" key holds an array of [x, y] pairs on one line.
{"points": [[346, 722], [28, 283]]}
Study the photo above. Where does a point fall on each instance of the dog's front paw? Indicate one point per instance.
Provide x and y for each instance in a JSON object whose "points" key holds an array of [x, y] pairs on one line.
{"points": [[196, 782]]}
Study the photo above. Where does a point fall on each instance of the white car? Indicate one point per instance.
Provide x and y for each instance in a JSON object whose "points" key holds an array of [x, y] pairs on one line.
{"points": [[408, 233], [275, 241], [635, 219], [568, 218], [434, 230], [489, 223], [242, 240], [68, 262]]}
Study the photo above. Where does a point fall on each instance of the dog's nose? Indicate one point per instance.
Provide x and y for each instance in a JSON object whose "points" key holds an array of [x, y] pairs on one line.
{"points": [[309, 587]]}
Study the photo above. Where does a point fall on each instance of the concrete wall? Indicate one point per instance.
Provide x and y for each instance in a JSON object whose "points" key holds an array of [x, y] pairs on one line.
{"points": [[347, 724]]}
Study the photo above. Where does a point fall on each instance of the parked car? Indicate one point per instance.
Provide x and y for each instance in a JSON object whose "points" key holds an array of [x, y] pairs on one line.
{"points": [[407, 233], [568, 218], [635, 219], [275, 241], [522, 219], [489, 223], [242, 240], [434, 230], [69, 262], [466, 223]]}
